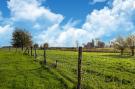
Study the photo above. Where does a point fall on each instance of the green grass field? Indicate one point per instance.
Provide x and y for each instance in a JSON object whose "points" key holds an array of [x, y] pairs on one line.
{"points": [[99, 71]]}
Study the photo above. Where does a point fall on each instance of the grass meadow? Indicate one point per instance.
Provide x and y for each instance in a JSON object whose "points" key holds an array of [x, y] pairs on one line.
{"points": [[99, 70]]}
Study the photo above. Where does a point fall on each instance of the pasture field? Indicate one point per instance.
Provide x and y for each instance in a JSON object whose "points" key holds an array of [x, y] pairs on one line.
{"points": [[99, 70]]}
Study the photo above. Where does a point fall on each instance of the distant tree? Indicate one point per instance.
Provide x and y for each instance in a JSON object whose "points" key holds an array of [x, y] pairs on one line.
{"points": [[21, 38], [131, 43], [46, 45], [36, 45], [120, 44]]}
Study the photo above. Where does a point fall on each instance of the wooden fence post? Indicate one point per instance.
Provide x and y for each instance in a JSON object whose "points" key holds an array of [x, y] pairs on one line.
{"points": [[31, 50], [79, 67], [44, 55]]}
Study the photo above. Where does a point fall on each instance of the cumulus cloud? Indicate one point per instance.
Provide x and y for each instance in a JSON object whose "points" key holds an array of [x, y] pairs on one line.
{"points": [[105, 23], [46, 25], [110, 22], [32, 10], [34, 17], [65, 35]]}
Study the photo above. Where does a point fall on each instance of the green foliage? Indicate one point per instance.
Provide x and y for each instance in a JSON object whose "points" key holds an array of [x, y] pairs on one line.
{"points": [[46, 45], [21, 38]]}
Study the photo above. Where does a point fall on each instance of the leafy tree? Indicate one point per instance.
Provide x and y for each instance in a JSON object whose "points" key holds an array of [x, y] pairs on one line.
{"points": [[120, 44], [46, 45], [21, 38], [131, 43]]}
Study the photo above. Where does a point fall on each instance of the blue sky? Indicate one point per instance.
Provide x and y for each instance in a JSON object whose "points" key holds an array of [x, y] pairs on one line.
{"points": [[73, 9], [63, 22]]}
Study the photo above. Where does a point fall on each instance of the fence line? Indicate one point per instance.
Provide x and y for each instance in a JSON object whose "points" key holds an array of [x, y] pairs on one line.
{"points": [[99, 70]]}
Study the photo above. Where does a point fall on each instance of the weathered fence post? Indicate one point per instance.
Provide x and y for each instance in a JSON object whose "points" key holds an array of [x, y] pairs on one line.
{"points": [[44, 55], [35, 53], [31, 50], [79, 67]]}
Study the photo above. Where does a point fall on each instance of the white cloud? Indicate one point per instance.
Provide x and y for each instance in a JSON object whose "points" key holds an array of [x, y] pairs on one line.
{"points": [[32, 10], [49, 35], [34, 17], [112, 22], [5, 34], [107, 22], [66, 35], [71, 35]]}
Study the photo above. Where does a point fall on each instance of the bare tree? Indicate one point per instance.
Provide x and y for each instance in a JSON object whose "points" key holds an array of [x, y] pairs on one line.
{"points": [[131, 43], [120, 44]]}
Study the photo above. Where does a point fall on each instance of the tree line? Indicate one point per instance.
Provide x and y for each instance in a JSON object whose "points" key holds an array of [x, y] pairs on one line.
{"points": [[122, 43], [23, 39]]}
